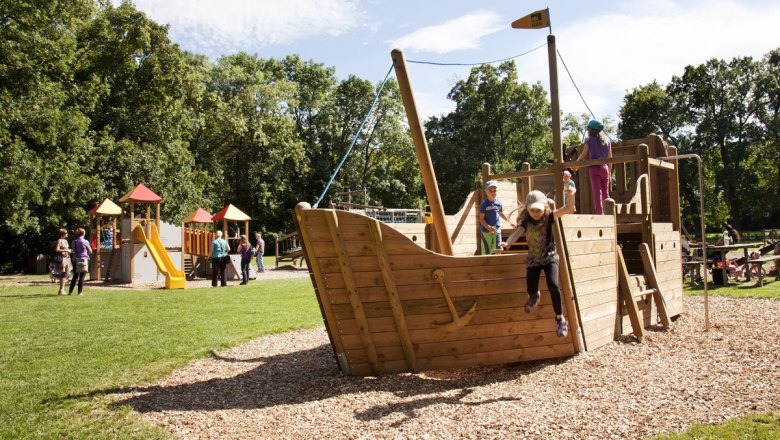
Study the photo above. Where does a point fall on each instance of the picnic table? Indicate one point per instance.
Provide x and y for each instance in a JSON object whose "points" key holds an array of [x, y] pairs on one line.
{"points": [[724, 249]]}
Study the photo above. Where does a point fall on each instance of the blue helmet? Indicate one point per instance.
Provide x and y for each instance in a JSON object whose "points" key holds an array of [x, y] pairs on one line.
{"points": [[596, 125]]}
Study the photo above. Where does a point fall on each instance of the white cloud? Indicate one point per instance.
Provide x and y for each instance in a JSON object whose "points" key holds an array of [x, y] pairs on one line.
{"points": [[457, 34], [612, 53], [216, 27]]}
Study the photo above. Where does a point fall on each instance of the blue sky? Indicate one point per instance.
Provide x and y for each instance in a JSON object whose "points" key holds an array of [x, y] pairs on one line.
{"points": [[609, 46]]}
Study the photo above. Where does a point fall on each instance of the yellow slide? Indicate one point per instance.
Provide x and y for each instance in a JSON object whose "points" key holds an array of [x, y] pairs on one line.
{"points": [[174, 278]]}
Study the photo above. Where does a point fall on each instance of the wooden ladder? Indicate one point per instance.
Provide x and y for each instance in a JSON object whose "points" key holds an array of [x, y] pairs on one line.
{"points": [[188, 266], [110, 264], [636, 287]]}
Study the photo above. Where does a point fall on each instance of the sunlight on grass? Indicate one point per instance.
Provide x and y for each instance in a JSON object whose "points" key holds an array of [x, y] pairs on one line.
{"points": [[57, 353], [762, 426]]}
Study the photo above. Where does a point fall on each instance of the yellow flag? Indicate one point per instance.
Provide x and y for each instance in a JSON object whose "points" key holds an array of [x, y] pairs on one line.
{"points": [[534, 20]]}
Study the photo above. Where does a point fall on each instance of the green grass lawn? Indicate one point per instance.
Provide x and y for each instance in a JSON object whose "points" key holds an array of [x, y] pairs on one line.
{"points": [[57, 353]]}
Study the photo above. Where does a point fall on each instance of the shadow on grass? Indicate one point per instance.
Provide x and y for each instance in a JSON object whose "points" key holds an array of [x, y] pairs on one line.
{"points": [[312, 375]]}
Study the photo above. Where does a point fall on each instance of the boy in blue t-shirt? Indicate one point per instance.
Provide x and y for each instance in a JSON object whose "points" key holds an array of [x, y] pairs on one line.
{"points": [[491, 211]]}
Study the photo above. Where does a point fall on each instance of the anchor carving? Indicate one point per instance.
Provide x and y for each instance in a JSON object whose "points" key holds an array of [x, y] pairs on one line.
{"points": [[458, 321]]}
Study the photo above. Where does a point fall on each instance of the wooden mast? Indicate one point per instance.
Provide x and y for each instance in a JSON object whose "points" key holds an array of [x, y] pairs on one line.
{"points": [[423, 155], [556, 119]]}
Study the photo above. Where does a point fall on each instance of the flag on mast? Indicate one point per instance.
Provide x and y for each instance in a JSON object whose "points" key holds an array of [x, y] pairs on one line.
{"points": [[534, 20]]}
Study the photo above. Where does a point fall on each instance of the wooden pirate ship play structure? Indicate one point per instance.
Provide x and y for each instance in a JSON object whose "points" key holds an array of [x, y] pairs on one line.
{"points": [[391, 304]]}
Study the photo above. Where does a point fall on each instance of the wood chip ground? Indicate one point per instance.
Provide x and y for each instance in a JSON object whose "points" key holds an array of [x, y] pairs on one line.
{"points": [[288, 386]]}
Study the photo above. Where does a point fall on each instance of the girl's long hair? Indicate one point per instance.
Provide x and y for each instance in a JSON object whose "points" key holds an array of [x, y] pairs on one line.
{"points": [[599, 135]]}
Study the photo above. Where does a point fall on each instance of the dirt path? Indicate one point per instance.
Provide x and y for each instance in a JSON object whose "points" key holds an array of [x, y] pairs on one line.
{"points": [[288, 386]]}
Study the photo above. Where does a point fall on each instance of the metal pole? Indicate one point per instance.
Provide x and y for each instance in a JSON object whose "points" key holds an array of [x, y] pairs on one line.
{"points": [[703, 236]]}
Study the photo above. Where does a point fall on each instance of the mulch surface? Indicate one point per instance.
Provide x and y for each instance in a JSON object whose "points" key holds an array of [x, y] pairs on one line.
{"points": [[289, 386]]}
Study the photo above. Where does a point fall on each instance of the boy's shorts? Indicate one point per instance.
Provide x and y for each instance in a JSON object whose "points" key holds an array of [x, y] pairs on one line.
{"points": [[489, 241]]}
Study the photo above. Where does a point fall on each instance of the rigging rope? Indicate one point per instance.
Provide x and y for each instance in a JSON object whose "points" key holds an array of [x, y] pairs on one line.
{"points": [[575, 84], [376, 97], [476, 64], [354, 139]]}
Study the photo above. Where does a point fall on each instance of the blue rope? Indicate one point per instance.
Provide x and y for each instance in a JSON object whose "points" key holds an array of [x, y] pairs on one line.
{"points": [[354, 139], [476, 64]]}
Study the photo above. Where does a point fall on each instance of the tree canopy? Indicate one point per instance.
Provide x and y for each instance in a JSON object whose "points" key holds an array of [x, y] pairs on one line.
{"points": [[95, 98]]}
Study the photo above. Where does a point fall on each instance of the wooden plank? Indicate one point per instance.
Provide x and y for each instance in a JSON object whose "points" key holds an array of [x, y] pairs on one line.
{"points": [[496, 357], [589, 247], [392, 295], [628, 298], [476, 288], [593, 260], [385, 324], [593, 274], [604, 296], [422, 276], [567, 289], [301, 217], [357, 306], [652, 282], [600, 331]]}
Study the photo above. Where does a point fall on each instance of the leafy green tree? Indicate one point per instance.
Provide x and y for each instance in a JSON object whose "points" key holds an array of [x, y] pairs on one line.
{"points": [[42, 129], [496, 120], [722, 100], [249, 145], [135, 89]]}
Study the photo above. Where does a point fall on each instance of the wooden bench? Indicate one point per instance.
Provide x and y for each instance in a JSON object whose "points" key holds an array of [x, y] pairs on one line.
{"points": [[689, 267], [761, 261]]}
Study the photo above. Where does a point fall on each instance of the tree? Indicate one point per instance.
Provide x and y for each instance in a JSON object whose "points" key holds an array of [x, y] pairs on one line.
{"points": [[249, 145], [42, 129], [496, 120]]}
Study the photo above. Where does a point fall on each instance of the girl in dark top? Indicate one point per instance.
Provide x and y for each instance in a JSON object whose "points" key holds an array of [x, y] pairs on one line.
{"points": [[246, 250], [535, 222]]}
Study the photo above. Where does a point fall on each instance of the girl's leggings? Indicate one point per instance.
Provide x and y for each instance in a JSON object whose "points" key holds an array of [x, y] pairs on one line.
{"points": [[599, 184], [551, 273]]}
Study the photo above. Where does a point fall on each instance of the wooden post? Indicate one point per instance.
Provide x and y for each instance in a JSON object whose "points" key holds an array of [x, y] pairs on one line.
{"points": [[319, 281], [423, 155], [132, 240], [525, 167], [567, 289], [674, 191], [552, 56]]}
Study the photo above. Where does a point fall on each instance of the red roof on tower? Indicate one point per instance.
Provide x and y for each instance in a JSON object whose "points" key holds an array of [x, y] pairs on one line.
{"points": [[140, 194]]}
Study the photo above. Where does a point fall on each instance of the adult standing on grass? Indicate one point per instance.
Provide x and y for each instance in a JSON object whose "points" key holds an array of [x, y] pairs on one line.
{"points": [[246, 250], [597, 146], [81, 252], [219, 256], [259, 251], [61, 259]]}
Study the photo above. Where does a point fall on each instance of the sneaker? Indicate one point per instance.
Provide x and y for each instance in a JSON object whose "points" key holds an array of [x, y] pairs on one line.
{"points": [[561, 327], [532, 302]]}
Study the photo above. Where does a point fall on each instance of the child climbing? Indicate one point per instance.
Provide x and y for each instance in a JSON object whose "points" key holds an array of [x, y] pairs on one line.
{"points": [[536, 220], [568, 185], [491, 211]]}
